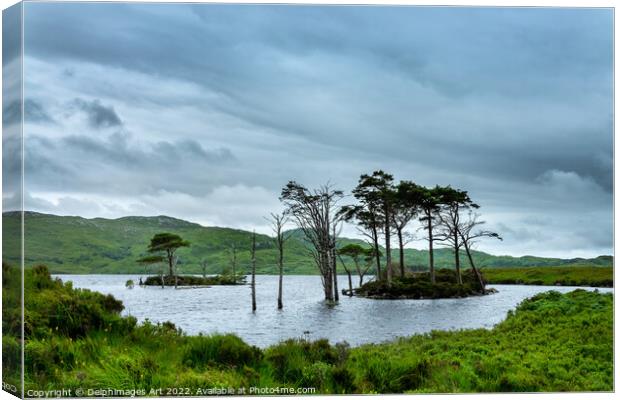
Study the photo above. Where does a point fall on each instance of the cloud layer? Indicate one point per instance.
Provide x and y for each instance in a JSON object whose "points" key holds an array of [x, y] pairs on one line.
{"points": [[205, 111]]}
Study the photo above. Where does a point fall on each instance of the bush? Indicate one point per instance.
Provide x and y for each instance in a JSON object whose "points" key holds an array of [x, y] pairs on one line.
{"points": [[227, 350], [289, 358], [11, 354]]}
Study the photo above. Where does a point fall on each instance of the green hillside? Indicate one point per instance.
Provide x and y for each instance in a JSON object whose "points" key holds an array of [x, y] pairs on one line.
{"points": [[98, 245]]}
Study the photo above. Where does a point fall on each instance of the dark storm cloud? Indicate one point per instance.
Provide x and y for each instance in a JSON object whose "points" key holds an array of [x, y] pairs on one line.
{"points": [[12, 113], [110, 164], [513, 104], [11, 160], [33, 112], [99, 116]]}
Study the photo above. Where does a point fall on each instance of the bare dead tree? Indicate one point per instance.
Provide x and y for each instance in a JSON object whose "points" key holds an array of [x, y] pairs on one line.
{"points": [[469, 237], [278, 221], [314, 213], [253, 271], [453, 203], [333, 258], [448, 221]]}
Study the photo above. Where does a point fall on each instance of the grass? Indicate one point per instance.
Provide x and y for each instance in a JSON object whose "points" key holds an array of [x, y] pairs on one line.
{"points": [[561, 276], [77, 339], [75, 245]]}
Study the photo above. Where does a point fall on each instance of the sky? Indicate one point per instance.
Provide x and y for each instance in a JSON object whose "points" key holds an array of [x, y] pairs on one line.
{"points": [[204, 112]]}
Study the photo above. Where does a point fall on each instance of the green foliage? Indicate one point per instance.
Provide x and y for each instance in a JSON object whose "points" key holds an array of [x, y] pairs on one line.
{"points": [[355, 251], [560, 276], [551, 342], [166, 242]]}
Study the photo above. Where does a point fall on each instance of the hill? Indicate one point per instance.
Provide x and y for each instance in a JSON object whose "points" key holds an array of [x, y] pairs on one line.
{"points": [[68, 244]]}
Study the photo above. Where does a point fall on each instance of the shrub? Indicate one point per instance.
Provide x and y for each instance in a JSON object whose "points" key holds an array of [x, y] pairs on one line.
{"points": [[289, 358], [11, 353], [227, 350]]}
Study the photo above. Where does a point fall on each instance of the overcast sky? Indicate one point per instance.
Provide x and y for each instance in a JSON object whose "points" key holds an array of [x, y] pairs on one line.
{"points": [[204, 112]]}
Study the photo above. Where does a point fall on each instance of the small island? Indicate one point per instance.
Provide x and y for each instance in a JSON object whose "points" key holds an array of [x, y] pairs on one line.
{"points": [[191, 280], [162, 253], [418, 286]]}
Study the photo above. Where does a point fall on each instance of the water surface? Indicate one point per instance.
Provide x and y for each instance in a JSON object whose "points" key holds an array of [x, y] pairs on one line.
{"points": [[357, 320]]}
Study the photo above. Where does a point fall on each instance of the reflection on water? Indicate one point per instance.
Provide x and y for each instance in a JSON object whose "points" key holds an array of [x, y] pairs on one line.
{"points": [[228, 309]]}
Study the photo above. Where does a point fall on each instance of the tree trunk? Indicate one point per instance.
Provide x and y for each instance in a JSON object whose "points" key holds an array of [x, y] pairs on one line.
{"points": [[254, 272], [335, 272], [174, 262], [430, 247], [457, 260], [388, 248], [281, 265], [170, 255], [401, 247], [328, 279], [375, 239], [359, 271], [471, 262], [348, 274], [329, 283], [350, 283]]}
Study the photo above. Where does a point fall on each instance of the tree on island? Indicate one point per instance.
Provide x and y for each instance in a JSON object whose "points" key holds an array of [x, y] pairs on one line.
{"points": [[278, 221], [429, 203], [406, 207], [386, 208], [377, 197], [168, 244], [314, 212], [469, 237], [368, 225], [358, 254], [453, 202]]}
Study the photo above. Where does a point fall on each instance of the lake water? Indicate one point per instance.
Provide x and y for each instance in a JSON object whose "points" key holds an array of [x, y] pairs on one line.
{"points": [[227, 309]]}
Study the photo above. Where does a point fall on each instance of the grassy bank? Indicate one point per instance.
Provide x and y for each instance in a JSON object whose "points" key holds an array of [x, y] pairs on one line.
{"points": [[561, 276], [76, 339]]}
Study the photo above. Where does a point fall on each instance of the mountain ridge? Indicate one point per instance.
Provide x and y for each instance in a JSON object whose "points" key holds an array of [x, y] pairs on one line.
{"points": [[73, 244]]}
